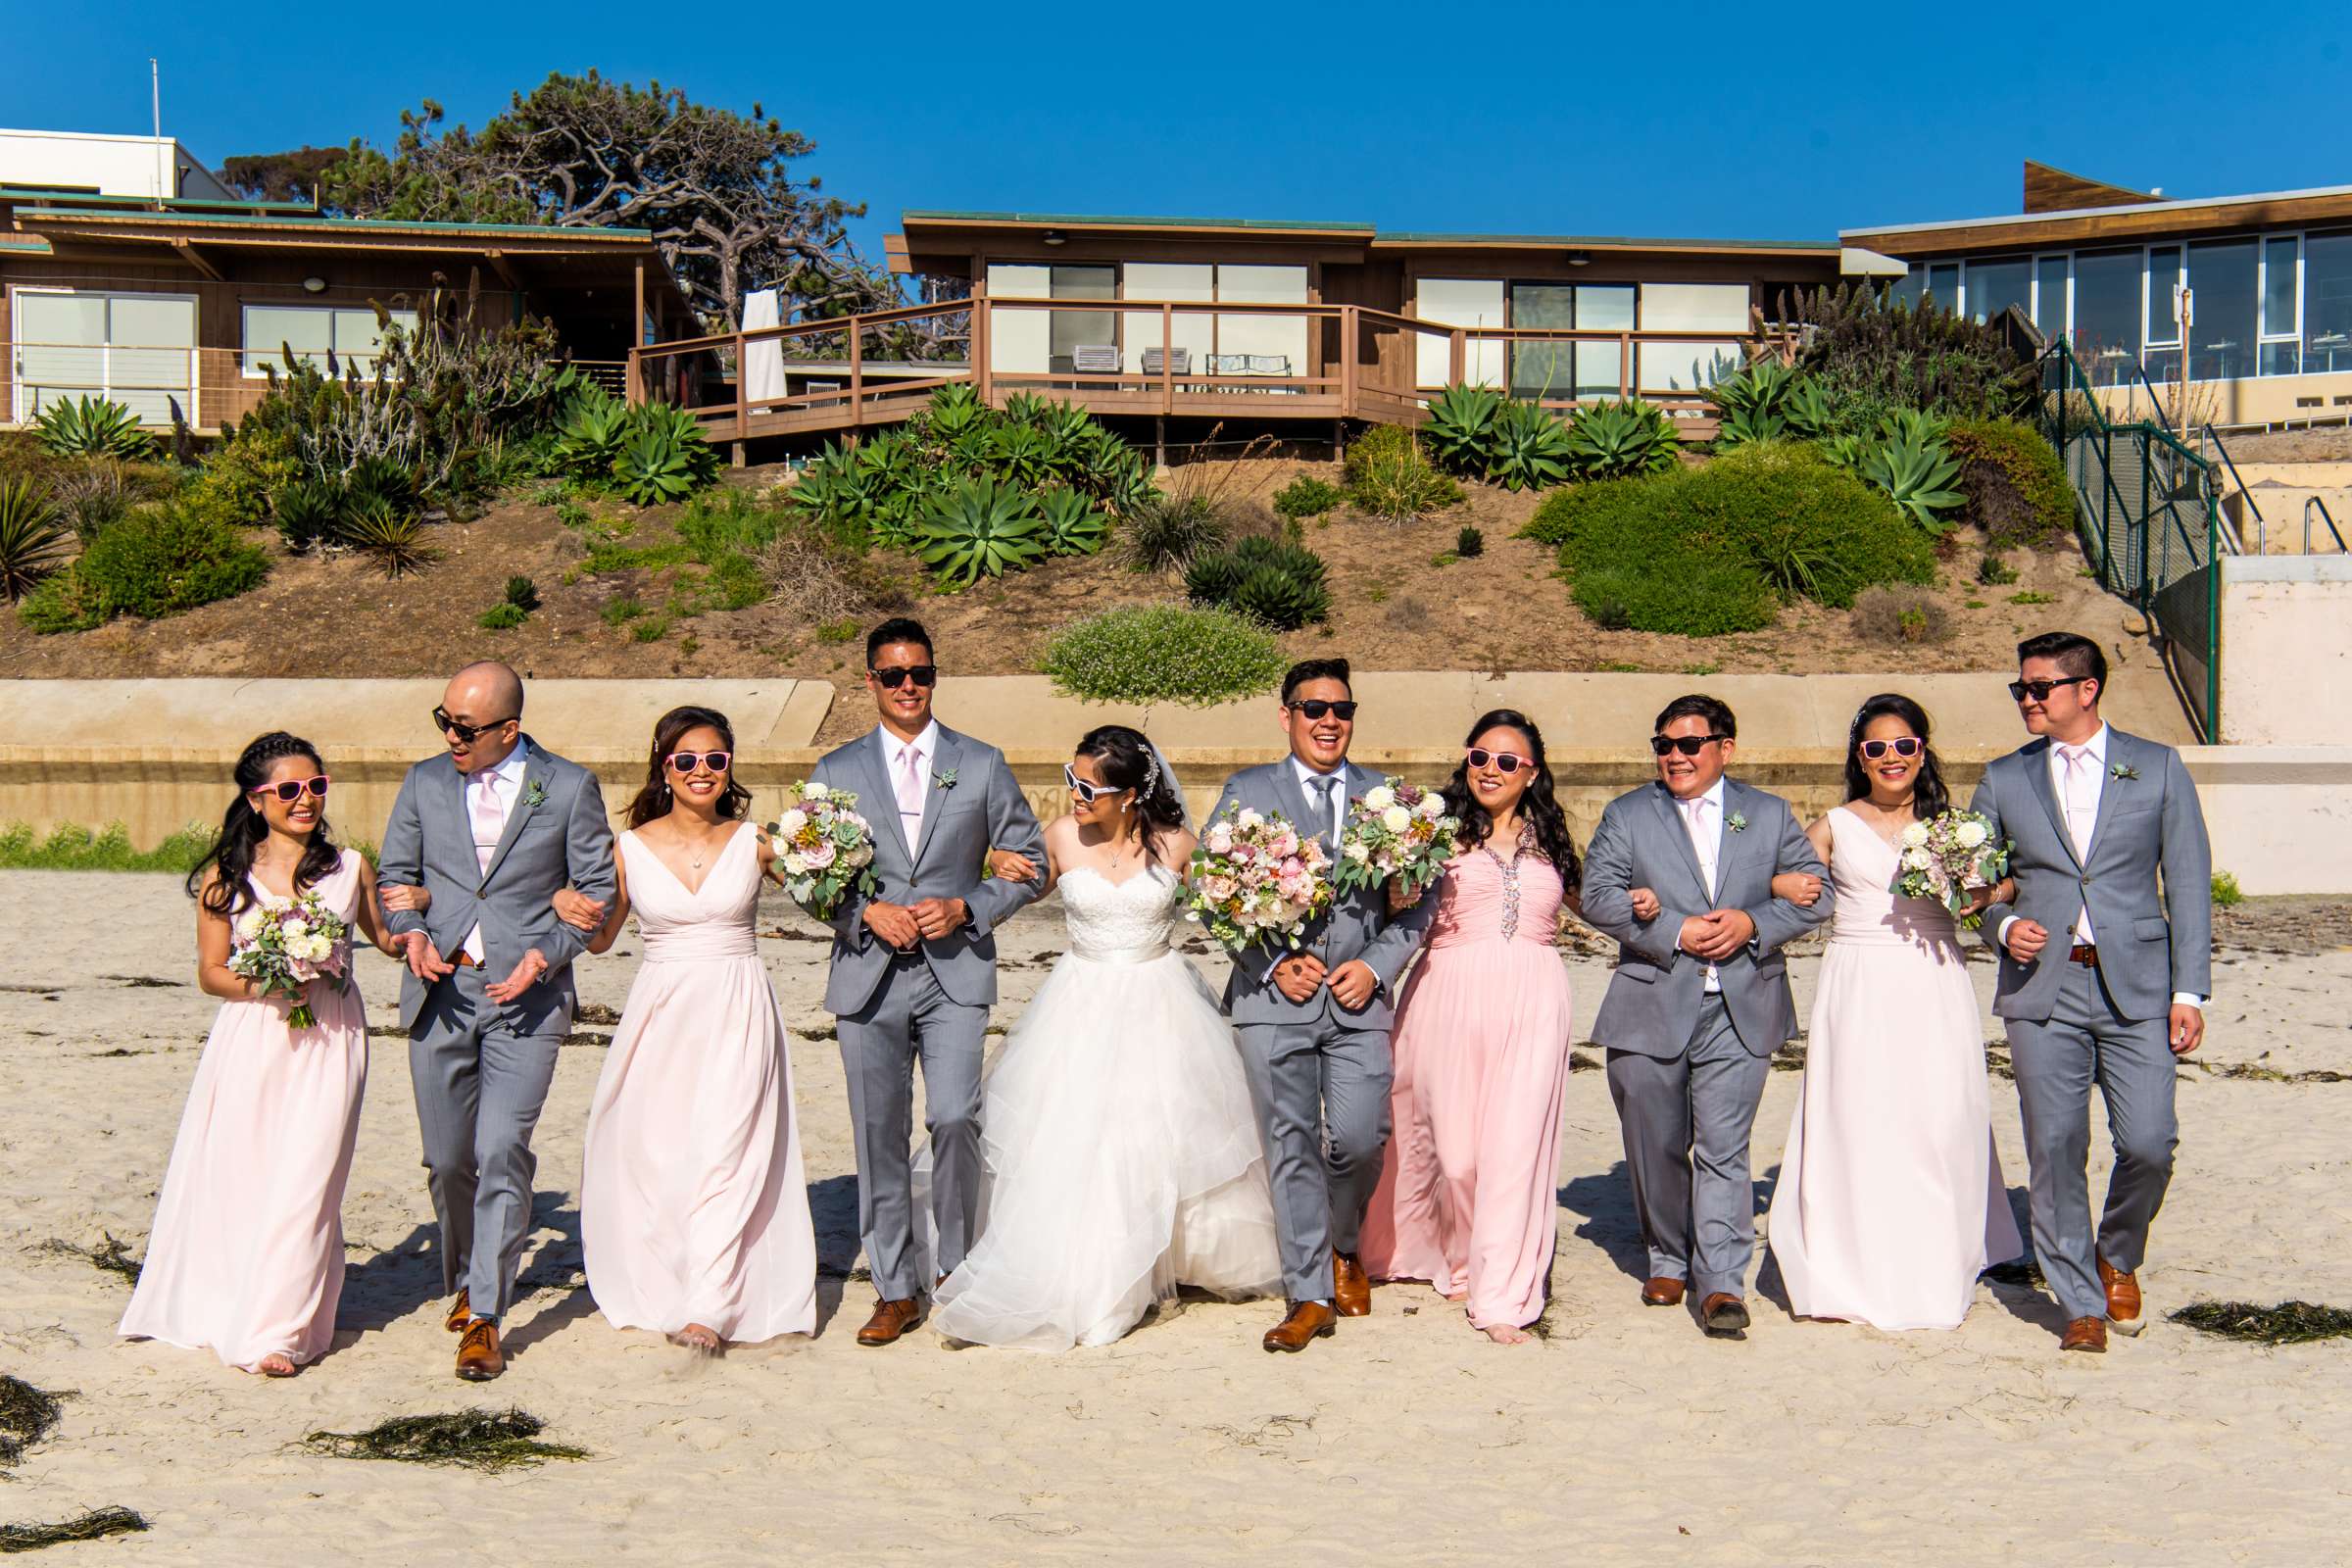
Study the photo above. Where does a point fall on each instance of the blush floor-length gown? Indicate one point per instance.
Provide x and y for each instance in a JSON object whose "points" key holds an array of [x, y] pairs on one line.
{"points": [[1467, 1198], [1889, 1201], [246, 1256], [693, 1205]]}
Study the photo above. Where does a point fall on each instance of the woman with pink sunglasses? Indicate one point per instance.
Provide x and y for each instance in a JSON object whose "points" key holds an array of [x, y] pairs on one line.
{"points": [[1466, 1188]]}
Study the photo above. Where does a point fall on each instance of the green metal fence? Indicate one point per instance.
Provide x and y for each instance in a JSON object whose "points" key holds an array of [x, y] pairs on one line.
{"points": [[2147, 510]]}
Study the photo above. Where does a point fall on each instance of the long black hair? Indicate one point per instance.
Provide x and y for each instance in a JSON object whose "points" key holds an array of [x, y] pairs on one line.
{"points": [[1538, 807], [244, 827], [1126, 761], [1929, 795], [654, 800]]}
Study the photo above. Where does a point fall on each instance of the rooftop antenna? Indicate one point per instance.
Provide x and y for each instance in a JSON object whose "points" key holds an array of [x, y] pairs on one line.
{"points": [[155, 99]]}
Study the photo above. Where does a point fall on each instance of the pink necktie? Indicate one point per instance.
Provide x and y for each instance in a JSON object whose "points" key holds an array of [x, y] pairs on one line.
{"points": [[911, 791], [489, 821]]}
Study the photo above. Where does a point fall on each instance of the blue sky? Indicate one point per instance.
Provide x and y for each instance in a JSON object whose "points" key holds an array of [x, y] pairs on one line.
{"points": [[1687, 120]]}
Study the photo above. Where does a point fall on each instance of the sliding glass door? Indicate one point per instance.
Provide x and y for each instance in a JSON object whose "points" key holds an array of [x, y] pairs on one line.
{"points": [[138, 350]]}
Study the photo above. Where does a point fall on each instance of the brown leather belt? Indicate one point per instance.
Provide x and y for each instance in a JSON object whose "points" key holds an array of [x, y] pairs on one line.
{"points": [[2083, 953]]}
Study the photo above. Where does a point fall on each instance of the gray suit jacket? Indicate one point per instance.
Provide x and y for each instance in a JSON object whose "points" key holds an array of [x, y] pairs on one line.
{"points": [[984, 809], [2147, 879], [563, 841], [1357, 925], [1654, 999]]}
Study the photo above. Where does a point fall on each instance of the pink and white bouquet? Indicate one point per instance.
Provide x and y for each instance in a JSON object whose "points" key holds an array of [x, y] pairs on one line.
{"points": [[1256, 879], [1395, 833], [825, 849], [1948, 857], [286, 944]]}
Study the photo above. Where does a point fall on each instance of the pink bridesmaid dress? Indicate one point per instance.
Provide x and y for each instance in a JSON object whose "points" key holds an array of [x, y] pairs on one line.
{"points": [[1466, 1198], [1889, 1202], [246, 1256], [693, 1207]]}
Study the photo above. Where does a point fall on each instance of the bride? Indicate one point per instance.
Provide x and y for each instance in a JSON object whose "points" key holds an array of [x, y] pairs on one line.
{"points": [[1121, 1154]]}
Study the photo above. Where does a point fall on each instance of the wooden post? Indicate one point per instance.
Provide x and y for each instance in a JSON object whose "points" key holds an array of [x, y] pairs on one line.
{"points": [[1167, 358], [637, 333], [632, 385], [857, 370], [1459, 361], [741, 388], [1349, 327], [979, 349], [1625, 365], [1159, 445]]}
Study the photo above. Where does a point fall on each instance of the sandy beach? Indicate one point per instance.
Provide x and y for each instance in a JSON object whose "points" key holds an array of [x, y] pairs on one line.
{"points": [[1622, 1436]]}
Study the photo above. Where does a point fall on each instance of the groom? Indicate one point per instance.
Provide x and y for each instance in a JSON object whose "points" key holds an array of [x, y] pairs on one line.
{"points": [[492, 829], [2106, 961], [915, 966], [1700, 998], [1314, 1021]]}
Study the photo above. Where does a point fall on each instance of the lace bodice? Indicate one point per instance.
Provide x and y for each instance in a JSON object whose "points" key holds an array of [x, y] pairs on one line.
{"points": [[715, 921], [1862, 870], [1121, 922]]}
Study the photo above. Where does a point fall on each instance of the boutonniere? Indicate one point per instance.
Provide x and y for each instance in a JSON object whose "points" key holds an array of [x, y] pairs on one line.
{"points": [[1736, 823], [2123, 770], [943, 778], [535, 793]]}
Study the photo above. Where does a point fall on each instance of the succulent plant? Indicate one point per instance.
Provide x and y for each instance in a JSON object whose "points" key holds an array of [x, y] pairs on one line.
{"points": [[981, 528], [1460, 431], [91, 427], [1620, 439]]}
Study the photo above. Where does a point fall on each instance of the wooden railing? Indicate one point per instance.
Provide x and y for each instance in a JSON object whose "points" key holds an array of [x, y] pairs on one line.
{"points": [[1354, 362]]}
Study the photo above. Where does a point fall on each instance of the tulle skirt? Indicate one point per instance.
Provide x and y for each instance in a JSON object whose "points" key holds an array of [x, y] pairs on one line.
{"points": [[1123, 1160]]}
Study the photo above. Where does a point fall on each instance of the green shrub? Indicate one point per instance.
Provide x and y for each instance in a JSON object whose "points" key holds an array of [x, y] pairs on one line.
{"points": [[2015, 487], [34, 536], [522, 594], [502, 618], [2227, 894], [1168, 531], [156, 561], [1380, 444], [1308, 497], [1279, 584], [72, 847], [1993, 572], [92, 427], [1469, 541], [1389, 478], [1874, 353], [309, 511], [1164, 654], [1697, 598], [396, 539], [1620, 439]]}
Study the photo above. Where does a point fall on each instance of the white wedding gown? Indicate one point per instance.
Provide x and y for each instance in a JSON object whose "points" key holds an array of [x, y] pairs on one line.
{"points": [[1122, 1155]]}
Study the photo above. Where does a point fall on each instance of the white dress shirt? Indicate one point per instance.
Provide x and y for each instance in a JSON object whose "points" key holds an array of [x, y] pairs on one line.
{"points": [[506, 780], [1706, 841], [2078, 786], [894, 759], [1310, 781]]}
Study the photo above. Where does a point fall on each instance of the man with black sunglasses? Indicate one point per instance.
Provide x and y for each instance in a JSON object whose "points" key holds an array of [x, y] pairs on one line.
{"points": [[915, 966], [490, 830], [1315, 1022], [1700, 998], [2105, 964]]}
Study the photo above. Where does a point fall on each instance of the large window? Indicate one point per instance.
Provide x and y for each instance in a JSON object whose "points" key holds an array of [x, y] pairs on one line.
{"points": [[2282, 301], [137, 349], [1560, 371], [1996, 285], [2107, 316], [354, 337], [2050, 297], [2224, 280], [1067, 330], [2327, 302], [1686, 366]]}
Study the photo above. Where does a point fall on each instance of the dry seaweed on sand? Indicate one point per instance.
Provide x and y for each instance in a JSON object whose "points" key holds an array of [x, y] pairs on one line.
{"points": [[477, 1440], [27, 1415], [2287, 1323], [110, 1255], [91, 1526]]}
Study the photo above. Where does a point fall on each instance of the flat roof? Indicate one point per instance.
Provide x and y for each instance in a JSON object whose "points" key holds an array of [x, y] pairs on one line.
{"points": [[317, 222], [1366, 232], [1607, 242], [2183, 205], [1277, 226]]}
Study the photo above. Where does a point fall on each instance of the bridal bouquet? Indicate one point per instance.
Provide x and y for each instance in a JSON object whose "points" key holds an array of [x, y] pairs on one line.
{"points": [[825, 849], [284, 945], [1395, 832], [1949, 857], [1256, 878]]}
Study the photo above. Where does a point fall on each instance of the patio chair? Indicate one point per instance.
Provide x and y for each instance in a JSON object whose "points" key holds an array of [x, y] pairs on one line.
{"points": [[1173, 361], [1093, 358]]}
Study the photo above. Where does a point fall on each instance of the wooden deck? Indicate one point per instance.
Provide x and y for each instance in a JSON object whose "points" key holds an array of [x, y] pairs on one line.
{"points": [[855, 374]]}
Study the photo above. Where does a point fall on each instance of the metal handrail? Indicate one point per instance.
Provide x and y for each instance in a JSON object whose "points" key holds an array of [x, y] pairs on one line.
{"points": [[2310, 502], [2261, 528]]}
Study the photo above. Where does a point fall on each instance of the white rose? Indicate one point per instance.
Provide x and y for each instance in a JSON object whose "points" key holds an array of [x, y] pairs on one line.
{"points": [[1380, 798], [789, 825], [796, 864], [1397, 820], [1357, 850], [813, 792], [1918, 859], [1915, 834], [1971, 834], [248, 924], [1432, 806], [1248, 820], [293, 928]]}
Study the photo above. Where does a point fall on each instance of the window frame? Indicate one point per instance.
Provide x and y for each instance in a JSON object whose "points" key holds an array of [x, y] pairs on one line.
{"points": [[106, 388], [271, 362]]}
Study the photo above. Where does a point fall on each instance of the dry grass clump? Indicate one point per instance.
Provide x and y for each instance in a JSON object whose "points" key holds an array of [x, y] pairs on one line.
{"points": [[476, 1439], [1900, 615], [2287, 1323]]}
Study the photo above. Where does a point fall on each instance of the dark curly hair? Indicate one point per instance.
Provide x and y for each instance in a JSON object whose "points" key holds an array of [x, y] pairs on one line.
{"points": [[1929, 795], [244, 827], [654, 800], [1126, 761], [1538, 807]]}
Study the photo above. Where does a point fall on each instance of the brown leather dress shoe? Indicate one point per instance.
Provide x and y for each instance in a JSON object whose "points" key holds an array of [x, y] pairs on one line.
{"points": [[1723, 1316], [1308, 1320], [891, 1319], [1350, 1286], [461, 1312], [479, 1360], [1663, 1292], [2085, 1334], [2123, 1299]]}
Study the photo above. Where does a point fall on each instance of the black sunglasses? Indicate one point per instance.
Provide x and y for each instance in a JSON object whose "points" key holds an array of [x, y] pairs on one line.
{"points": [[1688, 745], [290, 790], [1900, 746], [899, 675], [1316, 707], [2041, 689], [683, 762], [465, 733], [1504, 761]]}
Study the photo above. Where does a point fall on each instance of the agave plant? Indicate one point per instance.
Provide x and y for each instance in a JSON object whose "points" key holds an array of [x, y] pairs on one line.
{"points": [[1021, 452], [653, 468], [1280, 599], [954, 409], [1739, 425], [1211, 578], [1074, 526], [1917, 475], [309, 511], [1848, 451], [590, 435], [1915, 426], [395, 538], [92, 427], [1620, 438], [34, 534], [1808, 410], [1529, 449], [981, 529], [1761, 386], [382, 476], [1461, 426], [1026, 408]]}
